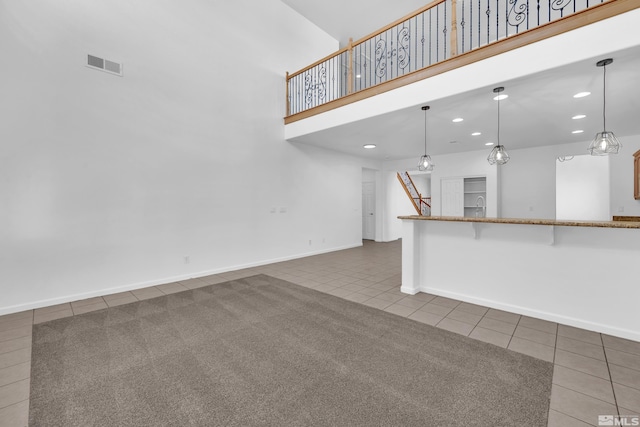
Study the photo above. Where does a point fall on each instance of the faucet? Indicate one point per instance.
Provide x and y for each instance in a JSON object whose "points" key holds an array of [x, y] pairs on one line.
{"points": [[480, 207]]}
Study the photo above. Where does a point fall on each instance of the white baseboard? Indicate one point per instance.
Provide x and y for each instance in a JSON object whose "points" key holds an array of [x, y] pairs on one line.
{"points": [[160, 281], [552, 317]]}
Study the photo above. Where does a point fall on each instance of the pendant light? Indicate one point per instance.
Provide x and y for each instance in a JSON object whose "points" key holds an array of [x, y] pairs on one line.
{"points": [[498, 155], [605, 142], [425, 161]]}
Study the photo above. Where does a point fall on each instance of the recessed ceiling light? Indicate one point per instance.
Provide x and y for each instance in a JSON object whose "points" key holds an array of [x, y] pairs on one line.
{"points": [[369, 146], [577, 131], [457, 120], [578, 117], [476, 134], [488, 143], [500, 97], [581, 94]]}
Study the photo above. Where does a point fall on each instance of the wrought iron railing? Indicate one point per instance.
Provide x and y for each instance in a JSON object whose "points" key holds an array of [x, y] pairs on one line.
{"points": [[439, 31]]}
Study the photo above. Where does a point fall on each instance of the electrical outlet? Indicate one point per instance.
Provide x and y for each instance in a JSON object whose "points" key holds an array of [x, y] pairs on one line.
{"points": [[309, 242], [621, 209], [187, 259]]}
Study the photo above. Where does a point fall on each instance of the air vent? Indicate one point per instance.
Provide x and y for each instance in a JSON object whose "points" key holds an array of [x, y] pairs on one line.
{"points": [[104, 65]]}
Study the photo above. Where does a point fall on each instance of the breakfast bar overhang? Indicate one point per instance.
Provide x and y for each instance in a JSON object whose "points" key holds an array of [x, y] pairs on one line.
{"points": [[579, 273]]}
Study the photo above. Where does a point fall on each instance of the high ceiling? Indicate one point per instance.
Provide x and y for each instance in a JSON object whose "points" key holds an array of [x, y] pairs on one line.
{"points": [[538, 112]]}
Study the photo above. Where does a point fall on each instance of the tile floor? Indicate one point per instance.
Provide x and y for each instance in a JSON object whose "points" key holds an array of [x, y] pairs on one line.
{"points": [[594, 374]]}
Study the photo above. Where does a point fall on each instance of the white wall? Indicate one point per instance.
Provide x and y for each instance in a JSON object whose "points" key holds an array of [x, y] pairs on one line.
{"points": [[108, 182], [582, 188], [622, 201]]}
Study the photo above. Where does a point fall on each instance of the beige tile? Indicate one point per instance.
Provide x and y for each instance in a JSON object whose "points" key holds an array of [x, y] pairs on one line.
{"points": [[15, 373], [89, 307], [147, 293], [558, 419], [621, 358], [16, 415], [627, 397], [356, 297], [621, 344], [583, 383], [14, 393], [478, 310], [530, 348], [436, 309], [503, 316], [535, 336], [214, 279], [15, 357], [538, 324], [353, 288], [580, 347], [400, 310], [193, 283], [389, 296], [410, 302], [425, 317], [370, 292], [88, 301], [463, 316], [490, 336], [171, 288], [121, 301], [339, 292], [52, 308], [445, 302], [14, 324], [12, 334], [497, 325], [377, 303], [455, 326], [423, 296], [324, 288], [54, 315], [28, 314], [625, 376], [119, 295], [578, 405], [16, 344], [580, 363], [579, 334]]}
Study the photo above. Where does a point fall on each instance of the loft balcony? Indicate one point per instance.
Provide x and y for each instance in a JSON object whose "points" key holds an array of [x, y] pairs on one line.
{"points": [[441, 37]]}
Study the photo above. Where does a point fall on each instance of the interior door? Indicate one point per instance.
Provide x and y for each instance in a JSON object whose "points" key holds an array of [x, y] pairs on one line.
{"points": [[368, 210], [452, 196]]}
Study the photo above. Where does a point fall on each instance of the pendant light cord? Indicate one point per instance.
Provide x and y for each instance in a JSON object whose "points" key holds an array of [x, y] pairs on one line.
{"points": [[498, 119], [604, 97], [425, 132]]}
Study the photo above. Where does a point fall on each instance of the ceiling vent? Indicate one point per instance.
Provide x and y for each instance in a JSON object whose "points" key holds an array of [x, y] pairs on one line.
{"points": [[104, 65]]}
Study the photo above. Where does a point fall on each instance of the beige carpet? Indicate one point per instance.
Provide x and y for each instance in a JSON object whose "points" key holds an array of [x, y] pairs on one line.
{"points": [[262, 351]]}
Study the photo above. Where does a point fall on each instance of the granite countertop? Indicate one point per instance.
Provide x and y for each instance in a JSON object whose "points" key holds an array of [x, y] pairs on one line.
{"points": [[599, 224]]}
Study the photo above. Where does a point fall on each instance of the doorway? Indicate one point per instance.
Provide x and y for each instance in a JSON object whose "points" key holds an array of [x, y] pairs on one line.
{"points": [[369, 210]]}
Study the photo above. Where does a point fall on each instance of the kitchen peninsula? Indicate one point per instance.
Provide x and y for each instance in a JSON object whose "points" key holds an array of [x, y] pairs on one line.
{"points": [[579, 273]]}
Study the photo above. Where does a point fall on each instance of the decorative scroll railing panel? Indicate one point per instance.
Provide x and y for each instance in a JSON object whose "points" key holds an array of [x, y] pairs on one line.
{"points": [[481, 22], [411, 45], [436, 32]]}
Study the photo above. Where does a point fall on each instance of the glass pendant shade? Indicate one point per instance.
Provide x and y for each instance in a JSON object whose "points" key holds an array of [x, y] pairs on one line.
{"points": [[498, 156], [604, 143], [425, 163]]}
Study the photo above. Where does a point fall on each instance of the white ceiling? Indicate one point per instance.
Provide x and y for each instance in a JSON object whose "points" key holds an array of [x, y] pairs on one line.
{"points": [[538, 111]]}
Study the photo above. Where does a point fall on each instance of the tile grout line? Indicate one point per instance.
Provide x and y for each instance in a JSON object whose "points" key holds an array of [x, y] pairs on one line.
{"points": [[606, 361]]}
